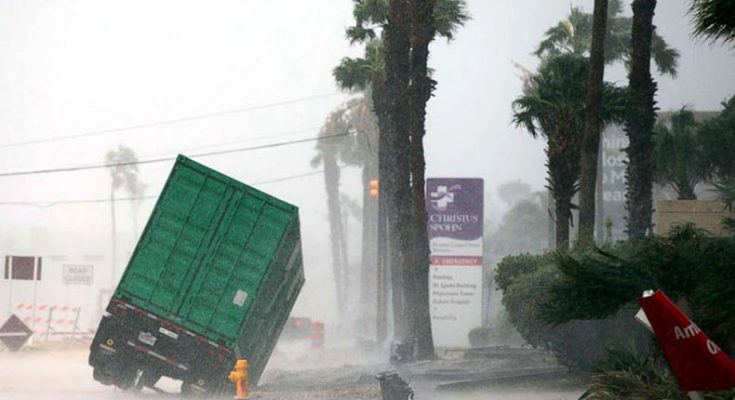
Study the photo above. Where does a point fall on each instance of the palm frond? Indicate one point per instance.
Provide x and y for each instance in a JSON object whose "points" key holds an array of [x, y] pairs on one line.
{"points": [[678, 153], [359, 34], [371, 12], [353, 73], [616, 103], [449, 16], [614, 8], [557, 40], [574, 35], [617, 39], [718, 137], [665, 57], [713, 19], [528, 110]]}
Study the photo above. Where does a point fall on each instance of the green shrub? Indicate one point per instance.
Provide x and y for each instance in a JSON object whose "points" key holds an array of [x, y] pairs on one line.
{"points": [[579, 303], [498, 332], [511, 267], [690, 265], [626, 374], [526, 282]]}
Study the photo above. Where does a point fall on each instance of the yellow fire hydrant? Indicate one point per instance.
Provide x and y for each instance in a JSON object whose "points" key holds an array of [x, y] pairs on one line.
{"points": [[240, 378]]}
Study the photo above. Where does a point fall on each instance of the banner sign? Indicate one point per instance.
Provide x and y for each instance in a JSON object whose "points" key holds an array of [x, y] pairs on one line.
{"points": [[455, 224], [23, 268], [611, 212]]}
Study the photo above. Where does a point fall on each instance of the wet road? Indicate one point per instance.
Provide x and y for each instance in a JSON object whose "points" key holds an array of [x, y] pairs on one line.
{"points": [[63, 374]]}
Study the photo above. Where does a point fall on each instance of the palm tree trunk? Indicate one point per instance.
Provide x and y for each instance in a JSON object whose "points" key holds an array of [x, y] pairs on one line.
{"points": [[369, 270], [397, 182], [347, 279], [331, 181], [685, 190], [639, 125], [420, 89], [591, 138], [562, 211], [562, 154], [380, 103]]}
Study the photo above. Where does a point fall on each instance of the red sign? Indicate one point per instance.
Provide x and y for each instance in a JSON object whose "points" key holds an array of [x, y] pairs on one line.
{"points": [[696, 360], [455, 260]]}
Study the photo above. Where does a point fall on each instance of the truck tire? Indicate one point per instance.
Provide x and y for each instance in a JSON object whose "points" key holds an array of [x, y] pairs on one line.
{"points": [[100, 375], [123, 374], [146, 378], [125, 380], [115, 372], [186, 390]]}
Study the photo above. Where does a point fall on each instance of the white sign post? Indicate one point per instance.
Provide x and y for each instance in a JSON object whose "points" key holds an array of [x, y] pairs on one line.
{"points": [[455, 209]]}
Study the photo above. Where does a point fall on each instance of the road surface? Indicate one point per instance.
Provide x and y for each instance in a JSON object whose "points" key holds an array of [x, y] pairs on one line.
{"points": [[62, 373]]}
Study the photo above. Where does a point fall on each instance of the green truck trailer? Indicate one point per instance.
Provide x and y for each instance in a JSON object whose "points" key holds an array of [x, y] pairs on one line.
{"points": [[212, 279]]}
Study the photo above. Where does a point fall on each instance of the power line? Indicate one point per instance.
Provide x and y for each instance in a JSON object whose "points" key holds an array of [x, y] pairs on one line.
{"points": [[206, 146], [47, 204], [168, 121], [210, 145], [164, 159]]}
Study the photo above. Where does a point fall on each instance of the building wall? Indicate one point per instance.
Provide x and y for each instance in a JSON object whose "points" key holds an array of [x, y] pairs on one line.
{"points": [[705, 214]]}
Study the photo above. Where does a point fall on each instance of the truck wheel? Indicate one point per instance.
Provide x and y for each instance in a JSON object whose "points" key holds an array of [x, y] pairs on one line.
{"points": [[146, 378], [186, 389], [100, 375], [121, 373], [125, 381]]}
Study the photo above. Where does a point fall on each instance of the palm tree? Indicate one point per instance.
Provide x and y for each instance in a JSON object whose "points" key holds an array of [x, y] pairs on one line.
{"points": [[679, 154], [123, 173], [371, 17], [592, 126], [419, 91], [713, 19], [384, 27], [364, 154], [355, 116], [571, 35], [574, 35], [340, 121], [640, 121], [553, 106], [396, 185], [718, 137]]}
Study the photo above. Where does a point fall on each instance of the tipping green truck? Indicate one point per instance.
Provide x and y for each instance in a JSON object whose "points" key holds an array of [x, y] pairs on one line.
{"points": [[212, 279]]}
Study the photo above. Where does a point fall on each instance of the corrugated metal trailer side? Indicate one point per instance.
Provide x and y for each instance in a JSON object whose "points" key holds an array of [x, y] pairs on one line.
{"points": [[218, 261]]}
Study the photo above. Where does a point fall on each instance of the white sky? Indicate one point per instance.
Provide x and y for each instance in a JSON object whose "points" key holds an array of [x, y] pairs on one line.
{"points": [[71, 67]]}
